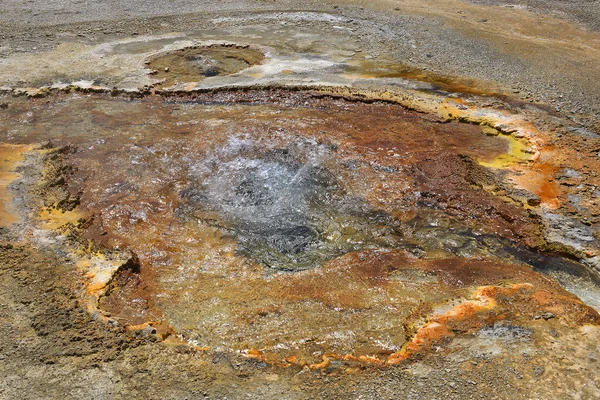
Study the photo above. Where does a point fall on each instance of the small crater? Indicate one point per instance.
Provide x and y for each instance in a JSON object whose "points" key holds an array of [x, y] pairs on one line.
{"points": [[194, 64]]}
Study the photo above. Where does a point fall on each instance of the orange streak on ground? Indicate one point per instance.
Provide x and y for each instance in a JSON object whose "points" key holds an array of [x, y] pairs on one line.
{"points": [[10, 156], [539, 179], [489, 305]]}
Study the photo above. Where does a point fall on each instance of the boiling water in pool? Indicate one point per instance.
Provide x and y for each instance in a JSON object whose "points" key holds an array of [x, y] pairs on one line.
{"points": [[298, 226], [283, 206]]}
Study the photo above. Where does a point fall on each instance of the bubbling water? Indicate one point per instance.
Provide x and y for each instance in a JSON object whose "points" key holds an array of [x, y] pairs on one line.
{"points": [[284, 207]]}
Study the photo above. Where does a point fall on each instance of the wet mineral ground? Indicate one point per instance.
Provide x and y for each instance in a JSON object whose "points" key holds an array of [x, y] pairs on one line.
{"points": [[338, 200]]}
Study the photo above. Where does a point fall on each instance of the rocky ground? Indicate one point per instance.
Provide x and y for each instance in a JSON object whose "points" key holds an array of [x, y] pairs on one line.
{"points": [[524, 46], [526, 71]]}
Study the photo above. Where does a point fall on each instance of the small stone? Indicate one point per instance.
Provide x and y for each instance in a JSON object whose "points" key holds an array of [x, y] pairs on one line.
{"points": [[488, 130], [166, 69], [544, 316], [505, 129], [528, 150], [149, 330]]}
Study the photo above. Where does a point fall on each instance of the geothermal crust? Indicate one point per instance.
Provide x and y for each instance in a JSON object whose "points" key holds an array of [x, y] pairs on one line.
{"points": [[384, 200]]}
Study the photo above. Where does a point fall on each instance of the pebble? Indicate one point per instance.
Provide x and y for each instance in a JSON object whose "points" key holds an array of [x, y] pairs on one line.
{"points": [[528, 150], [149, 330], [490, 131], [544, 316]]}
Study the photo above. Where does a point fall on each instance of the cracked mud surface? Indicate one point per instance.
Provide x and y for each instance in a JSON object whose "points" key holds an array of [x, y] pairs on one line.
{"points": [[393, 200]]}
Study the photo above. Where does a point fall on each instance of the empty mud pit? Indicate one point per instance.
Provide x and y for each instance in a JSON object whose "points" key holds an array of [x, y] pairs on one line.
{"points": [[292, 227], [191, 65]]}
